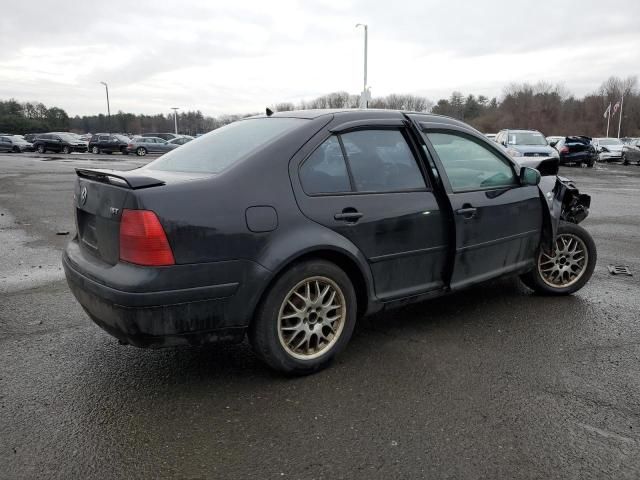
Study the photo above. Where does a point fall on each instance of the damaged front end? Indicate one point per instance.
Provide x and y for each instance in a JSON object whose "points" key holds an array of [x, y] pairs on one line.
{"points": [[564, 202]]}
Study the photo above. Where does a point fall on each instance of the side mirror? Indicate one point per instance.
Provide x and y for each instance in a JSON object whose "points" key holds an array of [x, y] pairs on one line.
{"points": [[529, 176]]}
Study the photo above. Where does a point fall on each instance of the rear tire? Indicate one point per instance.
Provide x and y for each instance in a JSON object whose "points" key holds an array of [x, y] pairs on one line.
{"points": [[66, 150], [141, 152], [95, 150], [41, 149], [124, 151], [15, 150], [569, 268], [306, 318], [625, 160]]}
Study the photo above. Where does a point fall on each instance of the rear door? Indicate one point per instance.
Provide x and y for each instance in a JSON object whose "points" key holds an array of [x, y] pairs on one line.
{"points": [[498, 222], [368, 186]]}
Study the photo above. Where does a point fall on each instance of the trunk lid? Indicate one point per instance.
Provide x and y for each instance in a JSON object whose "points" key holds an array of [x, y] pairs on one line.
{"points": [[100, 196]]}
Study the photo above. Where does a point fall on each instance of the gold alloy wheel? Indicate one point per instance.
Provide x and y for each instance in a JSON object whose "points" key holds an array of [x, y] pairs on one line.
{"points": [[567, 264], [311, 318]]}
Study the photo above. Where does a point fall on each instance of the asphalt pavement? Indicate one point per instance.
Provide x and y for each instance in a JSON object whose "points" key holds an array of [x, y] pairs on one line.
{"points": [[494, 382]]}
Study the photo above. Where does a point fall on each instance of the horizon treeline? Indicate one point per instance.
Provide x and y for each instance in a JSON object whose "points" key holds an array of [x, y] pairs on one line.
{"points": [[551, 109]]}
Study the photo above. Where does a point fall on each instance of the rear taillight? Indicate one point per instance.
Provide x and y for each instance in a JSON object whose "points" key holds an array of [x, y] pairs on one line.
{"points": [[142, 239], [130, 145], [564, 150]]}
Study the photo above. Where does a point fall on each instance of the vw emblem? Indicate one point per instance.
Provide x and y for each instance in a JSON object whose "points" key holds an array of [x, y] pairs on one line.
{"points": [[83, 196]]}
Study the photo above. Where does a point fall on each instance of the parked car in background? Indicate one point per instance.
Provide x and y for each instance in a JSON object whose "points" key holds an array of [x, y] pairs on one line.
{"points": [[179, 141], [490, 136], [577, 150], [86, 137], [289, 227], [59, 143], [143, 145], [164, 136], [631, 152], [608, 149], [108, 143], [15, 144], [553, 139], [525, 143]]}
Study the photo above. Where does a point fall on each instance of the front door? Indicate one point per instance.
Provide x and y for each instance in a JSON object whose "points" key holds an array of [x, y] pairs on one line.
{"points": [[367, 186], [497, 221]]}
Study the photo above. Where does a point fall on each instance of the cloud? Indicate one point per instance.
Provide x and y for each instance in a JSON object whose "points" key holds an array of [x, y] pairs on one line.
{"points": [[226, 57]]}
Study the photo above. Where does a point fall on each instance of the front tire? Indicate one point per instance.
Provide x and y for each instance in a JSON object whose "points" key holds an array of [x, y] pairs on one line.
{"points": [[66, 150], [305, 319], [95, 150], [569, 267]]}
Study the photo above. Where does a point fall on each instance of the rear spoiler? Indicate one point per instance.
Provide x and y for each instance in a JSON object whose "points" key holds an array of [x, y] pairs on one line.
{"points": [[132, 179]]}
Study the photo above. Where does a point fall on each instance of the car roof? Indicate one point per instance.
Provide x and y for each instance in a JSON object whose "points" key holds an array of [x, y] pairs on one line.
{"points": [[348, 114]]}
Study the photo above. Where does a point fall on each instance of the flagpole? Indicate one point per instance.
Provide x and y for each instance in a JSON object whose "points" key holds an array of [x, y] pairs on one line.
{"points": [[608, 118], [620, 119]]}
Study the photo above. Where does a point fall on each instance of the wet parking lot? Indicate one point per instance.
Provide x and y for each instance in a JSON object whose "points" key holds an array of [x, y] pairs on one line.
{"points": [[492, 382]]}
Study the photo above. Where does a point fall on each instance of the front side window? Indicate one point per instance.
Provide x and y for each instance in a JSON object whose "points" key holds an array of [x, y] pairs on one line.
{"points": [[381, 161], [469, 165], [325, 171]]}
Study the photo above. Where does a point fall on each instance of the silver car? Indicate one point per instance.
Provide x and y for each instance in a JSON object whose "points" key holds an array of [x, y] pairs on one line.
{"points": [[15, 144], [143, 145], [609, 149]]}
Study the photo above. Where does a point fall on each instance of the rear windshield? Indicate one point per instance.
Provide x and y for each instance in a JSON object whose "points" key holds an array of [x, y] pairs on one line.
{"points": [[219, 149]]}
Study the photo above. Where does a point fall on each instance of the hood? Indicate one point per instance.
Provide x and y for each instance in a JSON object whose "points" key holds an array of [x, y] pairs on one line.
{"points": [[541, 150]]}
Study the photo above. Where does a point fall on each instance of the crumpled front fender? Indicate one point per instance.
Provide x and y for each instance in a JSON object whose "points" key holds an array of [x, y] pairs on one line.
{"points": [[562, 201]]}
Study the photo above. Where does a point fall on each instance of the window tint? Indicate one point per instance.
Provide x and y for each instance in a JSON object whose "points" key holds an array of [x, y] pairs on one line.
{"points": [[325, 170], [469, 165], [380, 160]]}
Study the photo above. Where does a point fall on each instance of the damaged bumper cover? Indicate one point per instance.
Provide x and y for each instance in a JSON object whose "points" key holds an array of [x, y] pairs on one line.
{"points": [[564, 202]]}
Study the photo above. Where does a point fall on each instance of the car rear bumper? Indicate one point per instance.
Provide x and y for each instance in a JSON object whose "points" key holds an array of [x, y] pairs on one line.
{"points": [[133, 305]]}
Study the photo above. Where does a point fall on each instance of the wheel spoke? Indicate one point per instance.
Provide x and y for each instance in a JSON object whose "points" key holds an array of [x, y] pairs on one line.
{"points": [[311, 317]]}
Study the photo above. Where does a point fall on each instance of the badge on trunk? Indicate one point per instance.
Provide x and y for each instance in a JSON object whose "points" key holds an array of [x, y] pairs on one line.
{"points": [[83, 196]]}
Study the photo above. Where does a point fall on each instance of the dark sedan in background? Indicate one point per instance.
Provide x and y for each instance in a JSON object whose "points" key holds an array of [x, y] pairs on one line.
{"points": [[290, 226], [59, 143], [108, 143], [576, 150]]}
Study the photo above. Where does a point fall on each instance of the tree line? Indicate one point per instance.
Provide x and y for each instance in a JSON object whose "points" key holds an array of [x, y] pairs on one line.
{"points": [[552, 109]]}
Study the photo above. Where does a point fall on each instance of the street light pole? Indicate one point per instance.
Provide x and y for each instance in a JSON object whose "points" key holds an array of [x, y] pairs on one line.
{"points": [[106, 87], [175, 117], [364, 101]]}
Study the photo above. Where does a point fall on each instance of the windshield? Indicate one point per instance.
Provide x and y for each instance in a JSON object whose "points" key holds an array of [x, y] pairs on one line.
{"points": [[609, 141], [526, 138], [217, 150], [18, 139]]}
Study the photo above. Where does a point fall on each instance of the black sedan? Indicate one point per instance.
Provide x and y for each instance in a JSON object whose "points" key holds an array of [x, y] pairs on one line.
{"points": [[576, 150], [288, 227], [108, 143], [59, 143]]}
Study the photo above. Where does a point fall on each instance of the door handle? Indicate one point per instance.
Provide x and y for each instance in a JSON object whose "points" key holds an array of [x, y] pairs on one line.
{"points": [[348, 215], [467, 211]]}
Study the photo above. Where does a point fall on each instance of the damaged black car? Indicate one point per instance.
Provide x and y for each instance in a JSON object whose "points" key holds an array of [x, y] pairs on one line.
{"points": [[288, 227]]}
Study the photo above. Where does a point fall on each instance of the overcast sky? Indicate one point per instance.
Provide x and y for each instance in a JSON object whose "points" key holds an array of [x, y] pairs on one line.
{"points": [[239, 56]]}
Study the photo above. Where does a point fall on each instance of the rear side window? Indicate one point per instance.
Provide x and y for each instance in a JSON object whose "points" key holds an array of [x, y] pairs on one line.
{"points": [[470, 165], [325, 171], [381, 160], [221, 148]]}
